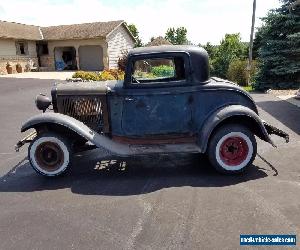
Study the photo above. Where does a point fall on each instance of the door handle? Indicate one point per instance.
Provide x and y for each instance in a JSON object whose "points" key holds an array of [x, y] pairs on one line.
{"points": [[129, 99]]}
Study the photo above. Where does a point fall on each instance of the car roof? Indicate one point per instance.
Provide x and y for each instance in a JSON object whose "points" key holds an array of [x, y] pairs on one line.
{"points": [[198, 57], [166, 49]]}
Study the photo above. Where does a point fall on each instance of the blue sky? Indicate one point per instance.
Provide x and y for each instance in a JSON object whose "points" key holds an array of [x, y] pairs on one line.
{"points": [[206, 20]]}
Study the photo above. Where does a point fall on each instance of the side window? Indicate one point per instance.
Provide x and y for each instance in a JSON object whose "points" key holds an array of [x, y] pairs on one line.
{"points": [[157, 70], [22, 48]]}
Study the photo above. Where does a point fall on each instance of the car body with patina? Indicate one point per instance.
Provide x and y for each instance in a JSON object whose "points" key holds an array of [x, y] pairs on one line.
{"points": [[167, 103]]}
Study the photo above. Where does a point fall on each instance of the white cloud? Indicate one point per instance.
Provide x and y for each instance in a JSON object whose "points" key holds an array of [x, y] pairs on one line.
{"points": [[205, 20]]}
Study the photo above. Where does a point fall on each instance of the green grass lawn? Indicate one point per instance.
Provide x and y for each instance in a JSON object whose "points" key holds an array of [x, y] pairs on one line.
{"points": [[248, 88]]}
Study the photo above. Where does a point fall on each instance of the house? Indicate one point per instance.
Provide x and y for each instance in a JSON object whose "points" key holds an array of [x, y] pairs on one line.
{"points": [[87, 46], [158, 41]]}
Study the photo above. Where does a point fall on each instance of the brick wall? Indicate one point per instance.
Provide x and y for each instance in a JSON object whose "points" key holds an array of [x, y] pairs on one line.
{"points": [[47, 61]]}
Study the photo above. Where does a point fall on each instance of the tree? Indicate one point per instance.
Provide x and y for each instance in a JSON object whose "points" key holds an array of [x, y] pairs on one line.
{"points": [[279, 51], [231, 48], [177, 36], [134, 31], [157, 41], [211, 49]]}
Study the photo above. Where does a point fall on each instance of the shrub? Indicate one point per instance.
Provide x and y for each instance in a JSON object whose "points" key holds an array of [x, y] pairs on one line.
{"points": [[106, 76], [145, 75], [237, 71], [162, 71], [116, 73], [92, 76], [112, 74]]}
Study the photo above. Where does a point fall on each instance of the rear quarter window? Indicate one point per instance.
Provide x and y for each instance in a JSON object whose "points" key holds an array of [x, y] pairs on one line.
{"points": [[157, 70]]}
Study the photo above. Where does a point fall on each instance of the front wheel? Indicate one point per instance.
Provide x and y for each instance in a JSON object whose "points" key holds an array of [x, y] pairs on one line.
{"points": [[232, 149], [50, 154]]}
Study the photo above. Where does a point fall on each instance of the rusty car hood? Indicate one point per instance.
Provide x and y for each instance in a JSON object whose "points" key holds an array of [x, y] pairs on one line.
{"points": [[86, 88]]}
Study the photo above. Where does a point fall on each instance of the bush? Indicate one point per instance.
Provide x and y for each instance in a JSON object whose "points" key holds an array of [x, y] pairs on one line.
{"points": [[162, 71], [90, 76], [237, 71], [106, 76], [112, 74], [116, 73], [141, 74]]}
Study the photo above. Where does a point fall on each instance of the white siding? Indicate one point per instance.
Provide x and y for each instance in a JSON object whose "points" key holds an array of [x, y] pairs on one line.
{"points": [[119, 41], [7, 47], [32, 48]]}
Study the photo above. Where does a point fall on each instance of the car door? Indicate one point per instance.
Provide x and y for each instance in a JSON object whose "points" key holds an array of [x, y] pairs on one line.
{"points": [[157, 100]]}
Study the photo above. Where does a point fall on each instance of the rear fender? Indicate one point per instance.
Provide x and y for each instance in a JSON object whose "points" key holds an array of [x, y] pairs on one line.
{"points": [[232, 114], [48, 119]]}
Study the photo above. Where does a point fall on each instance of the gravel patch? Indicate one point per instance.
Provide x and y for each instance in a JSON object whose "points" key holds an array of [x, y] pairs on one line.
{"points": [[289, 95], [277, 92]]}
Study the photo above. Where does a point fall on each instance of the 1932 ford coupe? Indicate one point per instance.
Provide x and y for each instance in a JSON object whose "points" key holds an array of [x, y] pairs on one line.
{"points": [[166, 104]]}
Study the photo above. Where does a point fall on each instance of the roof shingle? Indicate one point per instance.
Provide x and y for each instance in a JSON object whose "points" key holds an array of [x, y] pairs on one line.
{"points": [[79, 31], [19, 31], [61, 32]]}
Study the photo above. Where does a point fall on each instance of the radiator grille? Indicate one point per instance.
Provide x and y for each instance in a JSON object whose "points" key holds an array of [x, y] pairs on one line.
{"points": [[87, 109]]}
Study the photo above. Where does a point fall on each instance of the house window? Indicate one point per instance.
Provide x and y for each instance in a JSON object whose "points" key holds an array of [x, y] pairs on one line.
{"points": [[22, 48]]}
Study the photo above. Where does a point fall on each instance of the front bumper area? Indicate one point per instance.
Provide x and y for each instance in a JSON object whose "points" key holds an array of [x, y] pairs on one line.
{"points": [[271, 130], [26, 139]]}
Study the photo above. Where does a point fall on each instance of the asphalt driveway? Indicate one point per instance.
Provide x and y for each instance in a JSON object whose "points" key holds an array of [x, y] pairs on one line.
{"points": [[43, 75], [145, 203]]}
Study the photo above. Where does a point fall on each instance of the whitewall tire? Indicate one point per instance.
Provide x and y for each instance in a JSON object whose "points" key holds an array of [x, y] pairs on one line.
{"points": [[50, 154], [232, 149]]}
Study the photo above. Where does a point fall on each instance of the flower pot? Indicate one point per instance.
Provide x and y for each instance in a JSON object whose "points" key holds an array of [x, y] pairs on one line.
{"points": [[9, 69], [19, 68]]}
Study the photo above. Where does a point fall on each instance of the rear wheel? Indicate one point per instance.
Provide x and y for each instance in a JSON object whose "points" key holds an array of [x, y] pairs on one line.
{"points": [[232, 149], [50, 154]]}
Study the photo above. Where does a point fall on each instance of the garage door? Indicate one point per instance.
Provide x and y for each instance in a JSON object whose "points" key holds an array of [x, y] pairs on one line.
{"points": [[91, 57]]}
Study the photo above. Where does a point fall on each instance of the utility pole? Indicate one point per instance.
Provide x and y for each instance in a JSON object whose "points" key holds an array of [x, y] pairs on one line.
{"points": [[249, 66]]}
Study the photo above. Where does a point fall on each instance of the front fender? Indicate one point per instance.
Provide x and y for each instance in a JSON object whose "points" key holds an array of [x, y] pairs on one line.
{"points": [[233, 111], [79, 128]]}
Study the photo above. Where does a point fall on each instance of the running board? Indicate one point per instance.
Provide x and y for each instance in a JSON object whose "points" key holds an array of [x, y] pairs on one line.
{"points": [[164, 148]]}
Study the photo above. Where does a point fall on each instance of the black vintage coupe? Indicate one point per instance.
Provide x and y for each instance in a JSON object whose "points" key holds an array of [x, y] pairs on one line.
{"points": [[167, 103]]}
